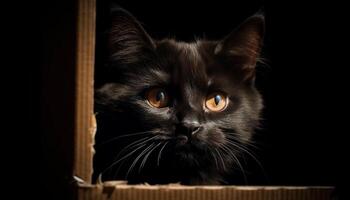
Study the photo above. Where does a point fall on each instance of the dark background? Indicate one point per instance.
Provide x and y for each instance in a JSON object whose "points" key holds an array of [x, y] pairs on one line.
{"points": [[302, 83], [305, 84]]}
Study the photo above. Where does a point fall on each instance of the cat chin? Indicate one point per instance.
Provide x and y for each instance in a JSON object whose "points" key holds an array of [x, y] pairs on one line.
{"points": [[191, 146], [189, 156]]}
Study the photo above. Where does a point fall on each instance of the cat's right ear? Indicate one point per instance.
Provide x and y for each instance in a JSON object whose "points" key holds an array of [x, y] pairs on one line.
{"points": [[242, 46], [128, 41]]}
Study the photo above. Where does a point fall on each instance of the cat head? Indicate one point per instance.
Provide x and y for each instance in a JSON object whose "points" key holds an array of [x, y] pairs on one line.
{"points": [[192, 105]]}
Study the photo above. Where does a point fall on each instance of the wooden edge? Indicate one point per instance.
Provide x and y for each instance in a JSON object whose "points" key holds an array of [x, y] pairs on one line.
{"points": [[179, 192], [84, 119]]}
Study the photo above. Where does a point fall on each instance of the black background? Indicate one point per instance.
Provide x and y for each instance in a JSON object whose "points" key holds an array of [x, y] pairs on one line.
{"points": [[305, 85], [303, 82]]}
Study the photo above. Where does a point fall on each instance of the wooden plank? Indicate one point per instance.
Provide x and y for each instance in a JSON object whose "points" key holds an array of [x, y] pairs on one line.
{"points": [[84, 120], [166, 192]]}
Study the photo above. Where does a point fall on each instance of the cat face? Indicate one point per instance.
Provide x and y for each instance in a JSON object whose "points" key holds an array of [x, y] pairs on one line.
{"points": [[171, 111]]}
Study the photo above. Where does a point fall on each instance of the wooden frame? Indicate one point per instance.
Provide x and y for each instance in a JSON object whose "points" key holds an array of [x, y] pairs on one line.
{"points": [[84, 118], [70, 127]]}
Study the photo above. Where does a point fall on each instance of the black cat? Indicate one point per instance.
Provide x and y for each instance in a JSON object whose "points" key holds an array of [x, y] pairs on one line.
{"points": [[170, 111]]}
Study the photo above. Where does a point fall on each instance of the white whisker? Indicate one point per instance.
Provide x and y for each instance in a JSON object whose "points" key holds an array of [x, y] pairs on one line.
{"points": [[222, 160], [137, 158], [122, 136], [228, 151], [116, 162], [160, 153], [246, 150], [147, 155]]}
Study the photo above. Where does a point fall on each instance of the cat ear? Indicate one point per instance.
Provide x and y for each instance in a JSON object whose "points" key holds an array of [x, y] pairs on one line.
{"points": [[128, 41], [242, 46]]}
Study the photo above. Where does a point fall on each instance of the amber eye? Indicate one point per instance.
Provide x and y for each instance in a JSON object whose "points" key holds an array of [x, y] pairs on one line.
{"points": [[157, 97], [216, 102]]}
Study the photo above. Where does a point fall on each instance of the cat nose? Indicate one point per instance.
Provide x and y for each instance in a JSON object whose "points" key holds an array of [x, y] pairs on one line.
{"points": [[193, 128], [188, 128]]}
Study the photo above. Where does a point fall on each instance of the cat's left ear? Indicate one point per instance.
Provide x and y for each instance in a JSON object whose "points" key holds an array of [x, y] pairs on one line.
{"points": [[128, 41], [242, 46]]}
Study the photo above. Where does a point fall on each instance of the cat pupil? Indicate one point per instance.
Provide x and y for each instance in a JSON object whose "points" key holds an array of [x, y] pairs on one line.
{"points": [[217, 99], [160, 96]]}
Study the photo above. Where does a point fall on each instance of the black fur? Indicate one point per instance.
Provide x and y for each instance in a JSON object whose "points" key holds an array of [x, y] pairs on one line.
{"points": [[189, 72]]}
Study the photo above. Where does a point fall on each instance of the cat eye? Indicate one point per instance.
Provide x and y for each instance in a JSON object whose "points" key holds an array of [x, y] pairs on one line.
{"points": [[157, 97], [216, 102]]}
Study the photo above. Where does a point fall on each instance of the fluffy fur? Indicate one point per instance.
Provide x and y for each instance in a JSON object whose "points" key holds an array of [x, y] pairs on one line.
{"points": [[140, 143]]}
